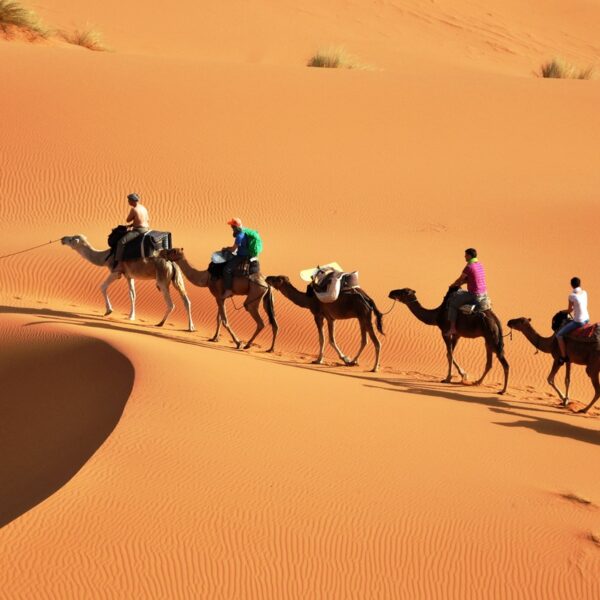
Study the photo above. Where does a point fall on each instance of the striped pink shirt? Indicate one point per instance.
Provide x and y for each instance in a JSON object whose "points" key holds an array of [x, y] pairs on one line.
{"points": [[475, 278]]}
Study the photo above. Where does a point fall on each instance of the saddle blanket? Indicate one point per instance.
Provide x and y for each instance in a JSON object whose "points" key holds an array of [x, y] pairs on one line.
{"points": [[327, 283], [588, 332], [251, 266], [146, 245]]}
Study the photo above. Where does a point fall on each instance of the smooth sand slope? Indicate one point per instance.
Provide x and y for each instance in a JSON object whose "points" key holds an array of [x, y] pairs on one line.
{"points": [[150, 463]]}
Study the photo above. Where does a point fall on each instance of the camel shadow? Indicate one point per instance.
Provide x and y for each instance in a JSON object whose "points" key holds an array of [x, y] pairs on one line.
{"points": [[60, 402]]}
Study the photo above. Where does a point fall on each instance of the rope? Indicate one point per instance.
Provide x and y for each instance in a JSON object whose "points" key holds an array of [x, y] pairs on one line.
{"points": [[234, 306], [387, 312], [29, 249]]}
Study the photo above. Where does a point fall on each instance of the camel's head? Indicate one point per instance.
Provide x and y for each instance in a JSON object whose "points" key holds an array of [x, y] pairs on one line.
{"points": [[173, 254], [519, 324], [74, 241], [404, 295], [277, 281]]}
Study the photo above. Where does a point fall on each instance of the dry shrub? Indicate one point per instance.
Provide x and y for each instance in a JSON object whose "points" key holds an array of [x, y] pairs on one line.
{"points": [[560, 69], [87, 38], [333, 58], [14, 18]]}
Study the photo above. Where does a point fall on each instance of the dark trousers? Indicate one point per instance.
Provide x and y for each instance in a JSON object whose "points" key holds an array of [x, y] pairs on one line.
{"points": [[229, 268], [130, 235]]}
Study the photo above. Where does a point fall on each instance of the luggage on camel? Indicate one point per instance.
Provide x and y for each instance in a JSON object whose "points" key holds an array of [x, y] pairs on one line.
{"points": [[586, 333], [253, 241], [147, 245], [249, 267], [327, 282]]}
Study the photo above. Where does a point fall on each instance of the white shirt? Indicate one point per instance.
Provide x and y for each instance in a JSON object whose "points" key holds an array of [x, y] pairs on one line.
{"points": [[580, 300]]}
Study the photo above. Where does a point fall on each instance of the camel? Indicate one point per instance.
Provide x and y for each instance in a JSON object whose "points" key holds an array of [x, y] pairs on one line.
{"points": [[254, 288], [163, 271], [486, 325], [579, 352], [349, 305]]}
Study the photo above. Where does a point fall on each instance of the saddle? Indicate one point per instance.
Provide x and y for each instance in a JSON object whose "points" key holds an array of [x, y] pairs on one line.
{"points": [[247, 268], [327, 284], [146, 245], [472, 308], [587, 333]]}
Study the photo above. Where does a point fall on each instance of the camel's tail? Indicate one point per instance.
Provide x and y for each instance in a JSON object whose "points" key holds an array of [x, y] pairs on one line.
{"points": [[269, 304], [495, 328], [371, 304]]}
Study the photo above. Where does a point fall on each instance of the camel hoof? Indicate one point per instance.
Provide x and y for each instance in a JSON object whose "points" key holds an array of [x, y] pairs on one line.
{"points": [[582, 411], [375, 369], [247, 346], [238, 346], [446, 380], [317, 362], [212, 339], [270, 351], [192, 329], [160, 324], [108, 312]]}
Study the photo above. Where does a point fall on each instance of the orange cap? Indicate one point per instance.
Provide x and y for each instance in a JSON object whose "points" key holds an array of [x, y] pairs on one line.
{"points": [[235, 222]]}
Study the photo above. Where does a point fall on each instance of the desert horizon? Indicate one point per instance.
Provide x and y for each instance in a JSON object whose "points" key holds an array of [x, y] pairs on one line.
{"points": [[145, 461]]}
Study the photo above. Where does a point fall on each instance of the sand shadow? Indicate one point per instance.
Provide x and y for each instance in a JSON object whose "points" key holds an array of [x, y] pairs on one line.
{"points": [[60, 402]]}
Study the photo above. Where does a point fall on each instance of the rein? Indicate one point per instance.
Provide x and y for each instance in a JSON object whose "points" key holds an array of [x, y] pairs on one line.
{"points": [[30, 249]]}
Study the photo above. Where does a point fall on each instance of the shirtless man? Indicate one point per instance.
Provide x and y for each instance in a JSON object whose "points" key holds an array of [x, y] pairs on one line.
{"points": [[138, 222]]}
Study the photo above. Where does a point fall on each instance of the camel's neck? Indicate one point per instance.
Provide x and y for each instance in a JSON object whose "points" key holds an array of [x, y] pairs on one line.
{"points": [[428, 316], [544, 344], [296, 296], [96, 257], [199, 278]]}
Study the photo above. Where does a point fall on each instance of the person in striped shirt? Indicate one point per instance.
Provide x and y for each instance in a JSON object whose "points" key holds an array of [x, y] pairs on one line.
{"points": [[476, 293]]}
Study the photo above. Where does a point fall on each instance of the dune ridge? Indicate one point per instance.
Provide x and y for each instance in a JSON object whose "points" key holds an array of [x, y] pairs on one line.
{"points": [[173, 467]]}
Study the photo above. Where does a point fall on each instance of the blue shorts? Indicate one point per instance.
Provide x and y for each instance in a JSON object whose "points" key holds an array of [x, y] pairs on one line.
{"points": [[570, 326]]}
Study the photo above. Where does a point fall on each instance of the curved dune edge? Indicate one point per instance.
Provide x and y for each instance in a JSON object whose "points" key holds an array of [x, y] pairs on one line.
{"points": [[235, 476], [62, 396]]}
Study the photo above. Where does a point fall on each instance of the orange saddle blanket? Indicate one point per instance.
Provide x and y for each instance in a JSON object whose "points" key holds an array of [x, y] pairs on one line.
{"points": [[586, 332]]}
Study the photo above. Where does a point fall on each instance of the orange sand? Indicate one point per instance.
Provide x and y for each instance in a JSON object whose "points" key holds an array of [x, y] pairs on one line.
{"points": [[148, 463]]}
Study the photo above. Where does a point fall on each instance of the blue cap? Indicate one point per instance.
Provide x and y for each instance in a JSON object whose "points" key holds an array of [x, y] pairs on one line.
{"points": [[133, 197]]}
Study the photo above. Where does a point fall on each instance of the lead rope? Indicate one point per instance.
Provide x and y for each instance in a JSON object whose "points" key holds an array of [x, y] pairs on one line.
{"points": [[30, 249]]}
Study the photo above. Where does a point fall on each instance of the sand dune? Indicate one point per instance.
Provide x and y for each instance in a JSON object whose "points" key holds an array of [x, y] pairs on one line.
{"points": [[150, 463]]}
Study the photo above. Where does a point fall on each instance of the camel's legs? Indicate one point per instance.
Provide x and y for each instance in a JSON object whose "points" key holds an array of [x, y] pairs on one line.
{"points": [[377, 345], [363, 342], [555, 368], [215, 338], [592, 371], [269, 306], [104, 287], [252, 308], [223, 313], [567, 382], [164, 288], [451, 342], [131, 284], [180, 287], [319, 323], [331, 328], [505, 367], [488, 364]]}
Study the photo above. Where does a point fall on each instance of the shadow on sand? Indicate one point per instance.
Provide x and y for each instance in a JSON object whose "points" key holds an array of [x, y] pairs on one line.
{"points": [[60, 401]]}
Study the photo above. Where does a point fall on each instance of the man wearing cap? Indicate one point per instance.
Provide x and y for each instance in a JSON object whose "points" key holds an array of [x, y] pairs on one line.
{"points": [[138, 222], [240, 254]]}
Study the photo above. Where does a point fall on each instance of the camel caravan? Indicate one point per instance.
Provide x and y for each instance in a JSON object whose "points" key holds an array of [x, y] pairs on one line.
{"points": [[137, 252]]}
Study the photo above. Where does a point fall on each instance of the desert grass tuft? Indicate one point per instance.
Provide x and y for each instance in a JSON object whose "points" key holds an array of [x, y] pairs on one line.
{"points": [[15, 17], [560, 69], [333, 58], [87, 38]]}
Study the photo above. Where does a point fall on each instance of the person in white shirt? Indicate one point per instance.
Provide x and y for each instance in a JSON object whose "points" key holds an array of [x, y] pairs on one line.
{"points": [[578, 302]]}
